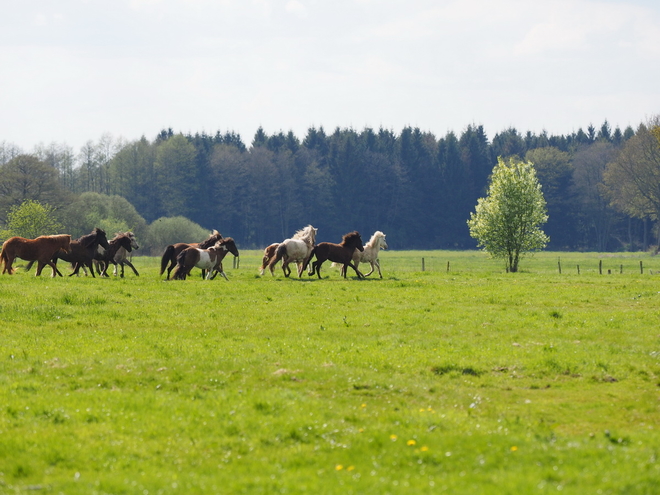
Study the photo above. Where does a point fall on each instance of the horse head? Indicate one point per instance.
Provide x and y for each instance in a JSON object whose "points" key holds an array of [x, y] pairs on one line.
{"points": [[382, 243], [227, 244], [353, 240], [101, 237], [134, 244]]}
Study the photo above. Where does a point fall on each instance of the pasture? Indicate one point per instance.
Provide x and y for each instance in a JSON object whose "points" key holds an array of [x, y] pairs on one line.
{"points": [[470, 380]]}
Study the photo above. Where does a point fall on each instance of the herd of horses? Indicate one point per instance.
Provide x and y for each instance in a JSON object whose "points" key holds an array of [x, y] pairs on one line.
{"points": [[94, 252]]}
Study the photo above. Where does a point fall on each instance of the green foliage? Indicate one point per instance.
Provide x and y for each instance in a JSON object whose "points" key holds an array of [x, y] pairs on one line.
{"points": [[111, 213], [31, 219], [506, 222], [166, 231], [409, 384]]}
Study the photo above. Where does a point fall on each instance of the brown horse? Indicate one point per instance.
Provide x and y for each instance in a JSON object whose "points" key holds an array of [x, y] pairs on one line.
{"points": [[172, 251], [42, 249], [207, 259], [338, 253], [82, 251]]}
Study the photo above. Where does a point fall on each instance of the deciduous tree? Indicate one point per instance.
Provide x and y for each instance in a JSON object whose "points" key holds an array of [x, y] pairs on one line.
{"points": [[507, 221]]}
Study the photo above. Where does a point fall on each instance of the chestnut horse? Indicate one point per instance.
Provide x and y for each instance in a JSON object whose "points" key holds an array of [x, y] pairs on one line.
{"points": [[173, 250], [339, 253], [269, 254], [207, 259], [42, 249]]}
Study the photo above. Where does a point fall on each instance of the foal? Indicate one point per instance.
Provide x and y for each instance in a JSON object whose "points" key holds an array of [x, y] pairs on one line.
{"points": [[339, 253]]}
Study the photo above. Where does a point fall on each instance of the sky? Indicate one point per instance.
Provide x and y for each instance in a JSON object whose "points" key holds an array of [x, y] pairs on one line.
{"points": [[73, 71]]}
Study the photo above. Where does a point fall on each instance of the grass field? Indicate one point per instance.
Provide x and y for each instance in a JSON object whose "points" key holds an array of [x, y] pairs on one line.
{"points": [[459, 380]]}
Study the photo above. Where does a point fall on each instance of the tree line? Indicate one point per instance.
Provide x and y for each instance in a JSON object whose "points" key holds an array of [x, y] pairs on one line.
{"points": [[417, 188]]}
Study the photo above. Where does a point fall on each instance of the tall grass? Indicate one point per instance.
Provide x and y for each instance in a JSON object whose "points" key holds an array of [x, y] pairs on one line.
{"points": [[467, 380]]}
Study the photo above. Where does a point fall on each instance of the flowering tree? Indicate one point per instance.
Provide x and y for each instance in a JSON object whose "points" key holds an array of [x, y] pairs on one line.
{"points": [[506, 222]]}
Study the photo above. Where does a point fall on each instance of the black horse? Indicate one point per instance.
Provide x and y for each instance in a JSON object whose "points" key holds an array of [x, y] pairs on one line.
{"points": [[83, 250]]}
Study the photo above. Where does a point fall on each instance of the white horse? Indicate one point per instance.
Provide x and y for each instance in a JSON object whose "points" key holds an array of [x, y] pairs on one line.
{"points": [[370, 253], [294, 250]]}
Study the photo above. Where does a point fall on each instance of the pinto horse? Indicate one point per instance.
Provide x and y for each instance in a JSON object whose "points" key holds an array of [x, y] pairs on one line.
{"points": [[370, 253], [172, 251], [42, 249], [339, 253], [121, 242], [297, 250], [207, 259]]}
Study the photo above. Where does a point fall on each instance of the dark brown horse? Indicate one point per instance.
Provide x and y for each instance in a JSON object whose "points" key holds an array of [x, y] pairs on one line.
{"points": [[42, 249], [207, 259], [83, 250], [173, 250], [338, 253], [120, 241]]}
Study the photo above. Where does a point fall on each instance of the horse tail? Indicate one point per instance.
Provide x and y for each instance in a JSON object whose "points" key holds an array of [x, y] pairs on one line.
{"points": [[167, 256], [5, 259], [29, 266], [279, 254]]}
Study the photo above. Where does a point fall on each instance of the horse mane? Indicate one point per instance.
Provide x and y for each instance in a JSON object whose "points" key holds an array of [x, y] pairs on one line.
{"points": [[88, 239], [306, 234], [346, 238], [212, 239], [372, 241]]}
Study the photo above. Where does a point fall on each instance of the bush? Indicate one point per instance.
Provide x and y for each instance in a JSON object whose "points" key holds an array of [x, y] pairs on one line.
{"points": [[170, 230], [111, 213], [31, 219]]}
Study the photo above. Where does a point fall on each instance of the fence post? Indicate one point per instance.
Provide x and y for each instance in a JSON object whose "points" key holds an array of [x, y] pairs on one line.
{"points": [[621, 269], [559, 265], [448, 267], [641, 267], [578, 269], [423, 267], [600, 267]]}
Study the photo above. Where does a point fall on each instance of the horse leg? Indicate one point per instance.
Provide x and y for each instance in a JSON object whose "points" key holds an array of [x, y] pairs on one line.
{"points": [[40, 266], [91, 268], [372, 268], [357, 272], [377, 263], [317, 267], [170, 268], [132, 267]]}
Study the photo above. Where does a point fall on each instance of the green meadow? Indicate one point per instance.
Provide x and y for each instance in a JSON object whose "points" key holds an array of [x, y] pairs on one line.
{"points": [[458, 378]]}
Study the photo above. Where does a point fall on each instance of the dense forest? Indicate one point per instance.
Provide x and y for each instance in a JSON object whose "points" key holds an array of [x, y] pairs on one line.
{"points": [[417, 188]]}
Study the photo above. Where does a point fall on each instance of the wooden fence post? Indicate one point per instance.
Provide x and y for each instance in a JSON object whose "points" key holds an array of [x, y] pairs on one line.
{"points": [[641, 267], [423, 267], [578, 269], [448, 267], [559, 265], [600, 267]]}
